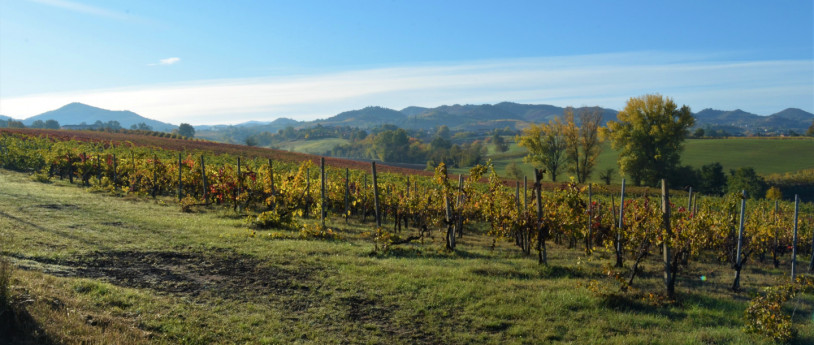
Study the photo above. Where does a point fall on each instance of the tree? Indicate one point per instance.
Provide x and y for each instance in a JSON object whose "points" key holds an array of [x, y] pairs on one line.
{"points": [[582, 143], [810, 131], [513, 171], [499, 142], [699, 133], [391, 146], [649, 136], [546, 146], [52, 124], [443, 132], [747, 179], [38, 124], [712, 179], [186, 130], [606, 175], [15, 124]]}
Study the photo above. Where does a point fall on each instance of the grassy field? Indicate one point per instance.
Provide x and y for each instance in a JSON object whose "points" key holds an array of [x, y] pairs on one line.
{"points": [[316, 147], [765, 155], [96, 268]]}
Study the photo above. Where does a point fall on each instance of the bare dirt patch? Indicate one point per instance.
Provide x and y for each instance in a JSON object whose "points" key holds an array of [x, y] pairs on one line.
{"points": [[219, 272]]}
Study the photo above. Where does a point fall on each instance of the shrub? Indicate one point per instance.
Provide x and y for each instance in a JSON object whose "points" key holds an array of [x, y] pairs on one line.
{"points": [[273, 219]]}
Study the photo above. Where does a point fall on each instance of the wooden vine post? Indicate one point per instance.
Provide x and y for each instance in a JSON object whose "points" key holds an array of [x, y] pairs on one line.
{"points": [[450, 239], [736, 285], [376, 195], [525, 194], [669, 276], [347, 194], [115, 186], [459, 224], [542, 253], [180, 183], [794, 240], [271, 178], [239, 179], [133, 186], [590, 221], [203, 179], [155, 175], [620, 227], [322, 190], [517, 195]]}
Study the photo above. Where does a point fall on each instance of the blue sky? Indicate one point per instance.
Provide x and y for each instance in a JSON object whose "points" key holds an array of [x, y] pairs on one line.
{"points": [[207, 62]]}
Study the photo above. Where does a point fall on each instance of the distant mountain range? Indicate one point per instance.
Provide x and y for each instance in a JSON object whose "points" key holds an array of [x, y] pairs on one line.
{"points": [[457, 117]]}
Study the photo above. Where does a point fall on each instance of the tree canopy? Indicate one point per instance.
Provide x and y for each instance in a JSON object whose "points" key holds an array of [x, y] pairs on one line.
{"points": [[546, 146], [186, 130], [649, 136]]}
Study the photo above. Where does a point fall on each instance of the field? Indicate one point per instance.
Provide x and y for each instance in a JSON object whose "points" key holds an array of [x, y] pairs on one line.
{"points": [[99, 268], [312, 146], [765, 155]]}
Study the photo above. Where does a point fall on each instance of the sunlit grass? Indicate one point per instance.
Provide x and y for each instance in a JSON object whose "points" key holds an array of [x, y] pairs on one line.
{"points": [[337, 291]]}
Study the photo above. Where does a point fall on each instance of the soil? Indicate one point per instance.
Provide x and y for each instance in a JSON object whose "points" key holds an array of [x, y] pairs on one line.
{"points": [[219, 272]]}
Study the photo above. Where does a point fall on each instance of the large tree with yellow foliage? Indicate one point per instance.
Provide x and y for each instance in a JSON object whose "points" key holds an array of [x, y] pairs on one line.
{"points": [[649, 136], [546, 146]]}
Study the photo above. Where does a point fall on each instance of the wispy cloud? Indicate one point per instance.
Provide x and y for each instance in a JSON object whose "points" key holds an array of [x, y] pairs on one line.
{"points": [[165, 62], [608, 80], [82, 8]]}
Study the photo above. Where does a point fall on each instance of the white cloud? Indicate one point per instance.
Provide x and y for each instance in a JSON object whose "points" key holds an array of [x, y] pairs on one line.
{"points": [[82, 8], [762, 87], [166, 62], [169, 61]]}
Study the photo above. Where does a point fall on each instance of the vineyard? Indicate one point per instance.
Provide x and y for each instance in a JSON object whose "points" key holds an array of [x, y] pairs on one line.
{"points": [[631, 237]]}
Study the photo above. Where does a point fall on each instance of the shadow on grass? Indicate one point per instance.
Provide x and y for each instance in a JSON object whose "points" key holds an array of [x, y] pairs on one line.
{"points": [[17, 326], [635, 304], [418, 253]]}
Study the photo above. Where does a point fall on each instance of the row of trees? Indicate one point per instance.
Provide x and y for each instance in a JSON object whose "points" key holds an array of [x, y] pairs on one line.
{"points": [[649, 135], [562, 143]]}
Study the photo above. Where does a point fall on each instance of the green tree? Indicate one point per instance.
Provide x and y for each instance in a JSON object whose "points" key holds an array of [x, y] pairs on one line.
{"points": [[649, 136], [499, 142], [711, 179], [747, 179], [38, 124], [391, 145], [186, 130], [810, 131], [582, 143], [546, 146], [52, 124]]}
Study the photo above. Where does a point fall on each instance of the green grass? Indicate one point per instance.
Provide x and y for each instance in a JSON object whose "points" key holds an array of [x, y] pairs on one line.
{"points": [[318, 146], [107, 269], [765, 155]]}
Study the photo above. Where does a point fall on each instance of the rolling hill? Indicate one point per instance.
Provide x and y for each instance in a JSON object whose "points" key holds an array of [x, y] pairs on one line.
{"points": [[76, 113]]}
